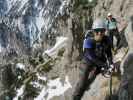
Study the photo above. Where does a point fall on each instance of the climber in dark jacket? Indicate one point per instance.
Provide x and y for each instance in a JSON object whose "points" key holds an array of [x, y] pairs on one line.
{"points": [[97, 51]]}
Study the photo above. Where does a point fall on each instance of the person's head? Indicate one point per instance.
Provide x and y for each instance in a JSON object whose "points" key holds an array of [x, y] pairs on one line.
{"points": [[99, 28], [109, 15]]}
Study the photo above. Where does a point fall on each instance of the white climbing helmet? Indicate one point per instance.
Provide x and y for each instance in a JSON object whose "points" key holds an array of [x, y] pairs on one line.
{"points": [[99, 23], [109, 14]]}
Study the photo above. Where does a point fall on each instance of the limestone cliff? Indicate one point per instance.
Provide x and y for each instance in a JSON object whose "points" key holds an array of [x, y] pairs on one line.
{"points": [[35, 27]]}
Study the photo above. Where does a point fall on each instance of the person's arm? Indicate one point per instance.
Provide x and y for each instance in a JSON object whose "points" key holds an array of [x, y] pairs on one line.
{"points": [[107, 24], [108, 51], [109, 57]]}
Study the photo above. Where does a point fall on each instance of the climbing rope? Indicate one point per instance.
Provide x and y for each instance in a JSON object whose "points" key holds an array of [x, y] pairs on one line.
{"points": [[110, 86]]}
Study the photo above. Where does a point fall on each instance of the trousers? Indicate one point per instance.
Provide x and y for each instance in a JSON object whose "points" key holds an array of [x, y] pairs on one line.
{"points": [[112, 33], [87, 75]]}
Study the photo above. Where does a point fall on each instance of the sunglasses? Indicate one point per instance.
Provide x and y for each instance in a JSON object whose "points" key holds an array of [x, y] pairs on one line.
{"points": [[110, 16], [99, 30]]}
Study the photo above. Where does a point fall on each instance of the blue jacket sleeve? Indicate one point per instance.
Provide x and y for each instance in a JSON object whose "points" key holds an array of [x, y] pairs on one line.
{"points": [[88, 43]]}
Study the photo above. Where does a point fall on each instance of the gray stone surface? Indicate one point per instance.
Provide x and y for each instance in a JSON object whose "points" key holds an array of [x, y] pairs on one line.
{"points": [[71, 26]]}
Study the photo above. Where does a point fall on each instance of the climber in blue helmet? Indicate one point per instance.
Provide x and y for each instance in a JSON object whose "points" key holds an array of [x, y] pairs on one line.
{"points": [[97, 51]]}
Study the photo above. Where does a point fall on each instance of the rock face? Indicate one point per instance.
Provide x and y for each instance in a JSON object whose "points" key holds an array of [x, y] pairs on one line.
{"points": [[126, 65], [56, 18], [123, 13]]}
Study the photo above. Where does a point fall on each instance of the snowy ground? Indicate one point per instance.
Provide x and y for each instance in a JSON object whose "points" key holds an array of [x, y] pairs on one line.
{"points": [[60, 43], [55, 88]]}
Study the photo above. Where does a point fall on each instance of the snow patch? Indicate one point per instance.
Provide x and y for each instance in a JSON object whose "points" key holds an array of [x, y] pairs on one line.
{"points": [[90, 0], [20, 66], [36, 84], [19, 92], [1, 49], [60, 88], [39, 22], [46, 1], [60, 43], [50, 92], [40, 77]]}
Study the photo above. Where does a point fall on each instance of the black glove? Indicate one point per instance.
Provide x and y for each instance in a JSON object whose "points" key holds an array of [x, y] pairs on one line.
{"points": [[102, 64]]}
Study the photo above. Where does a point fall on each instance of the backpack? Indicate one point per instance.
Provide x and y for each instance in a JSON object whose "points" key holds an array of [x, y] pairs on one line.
{"points": [[88, 33]]}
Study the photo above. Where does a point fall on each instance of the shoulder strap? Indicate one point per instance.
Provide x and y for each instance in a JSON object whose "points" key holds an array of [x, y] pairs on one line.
{"points": [[107, 23], [88, 33], [113, 20], [88, 43]]}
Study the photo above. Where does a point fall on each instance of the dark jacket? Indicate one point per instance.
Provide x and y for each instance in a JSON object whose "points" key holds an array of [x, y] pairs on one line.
{"points": [[98, 53]]}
